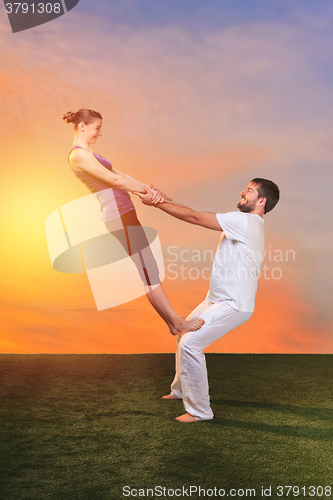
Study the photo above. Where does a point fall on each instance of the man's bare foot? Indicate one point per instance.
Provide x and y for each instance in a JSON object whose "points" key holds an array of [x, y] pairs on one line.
{"points": [[187, 418], [190, 325], [169, 396]]}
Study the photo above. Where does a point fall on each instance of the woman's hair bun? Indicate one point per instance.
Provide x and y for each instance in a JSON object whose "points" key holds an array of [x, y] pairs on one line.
{"points": [[84, 115], [69, 117]]}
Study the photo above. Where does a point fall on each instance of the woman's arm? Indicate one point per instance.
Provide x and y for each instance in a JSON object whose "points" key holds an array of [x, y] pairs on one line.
{"points": [[158, 197], [83, 160], [117, 172]]}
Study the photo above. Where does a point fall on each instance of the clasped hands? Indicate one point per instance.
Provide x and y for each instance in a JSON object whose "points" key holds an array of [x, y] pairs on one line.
{"points": [[152, 196]]}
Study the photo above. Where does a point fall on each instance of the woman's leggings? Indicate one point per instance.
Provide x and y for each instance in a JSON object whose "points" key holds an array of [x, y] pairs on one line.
{"points": [[137, 246]]}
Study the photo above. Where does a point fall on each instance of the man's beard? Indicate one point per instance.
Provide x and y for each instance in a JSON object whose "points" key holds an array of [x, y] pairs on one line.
{"points": [[246, 207]]}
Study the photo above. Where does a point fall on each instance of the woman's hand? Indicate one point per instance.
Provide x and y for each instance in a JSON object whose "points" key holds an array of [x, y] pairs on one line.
{"points": [[152, 196], [148, 196], [158, 197]]}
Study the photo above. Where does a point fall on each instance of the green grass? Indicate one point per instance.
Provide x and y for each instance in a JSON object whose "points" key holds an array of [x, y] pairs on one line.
{"points": [[83, 426]]}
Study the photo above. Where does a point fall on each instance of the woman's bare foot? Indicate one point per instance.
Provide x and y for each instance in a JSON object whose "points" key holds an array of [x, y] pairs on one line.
{"points": [[172, 329], [169, 396], [187, 418], [190, 325], [186, 325]]}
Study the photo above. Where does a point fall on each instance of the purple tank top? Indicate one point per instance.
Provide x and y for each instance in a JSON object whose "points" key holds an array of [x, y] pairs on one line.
{"points": [[114, 202]]}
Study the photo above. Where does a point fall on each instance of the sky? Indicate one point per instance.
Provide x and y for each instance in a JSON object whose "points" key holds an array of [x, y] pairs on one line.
{"points": [[197, 97]]}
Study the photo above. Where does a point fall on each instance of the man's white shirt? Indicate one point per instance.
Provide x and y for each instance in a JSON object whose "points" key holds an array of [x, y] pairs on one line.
{"points": [[238, 260]]}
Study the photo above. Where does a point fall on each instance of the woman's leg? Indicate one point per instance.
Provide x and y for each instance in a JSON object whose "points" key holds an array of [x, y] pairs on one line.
{"points": [[159, 300], [137, 246]]}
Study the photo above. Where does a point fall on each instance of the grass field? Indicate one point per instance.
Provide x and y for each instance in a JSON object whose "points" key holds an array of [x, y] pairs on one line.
{"points": [[84, 426]]}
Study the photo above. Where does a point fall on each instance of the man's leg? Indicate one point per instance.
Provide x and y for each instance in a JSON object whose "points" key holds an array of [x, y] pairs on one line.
{"points": [[176, 386], [219, 318]]}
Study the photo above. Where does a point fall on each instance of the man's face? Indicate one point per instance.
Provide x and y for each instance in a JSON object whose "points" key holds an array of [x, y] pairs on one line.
{"points": [[249, 198]]}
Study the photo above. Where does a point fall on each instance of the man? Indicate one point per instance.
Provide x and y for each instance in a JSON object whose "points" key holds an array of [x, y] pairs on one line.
{"points": [[233, 284]]}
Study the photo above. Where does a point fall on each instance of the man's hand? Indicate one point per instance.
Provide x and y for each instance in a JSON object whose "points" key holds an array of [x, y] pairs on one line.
{"points": [[158, 197], [146, 197], [152, 196]]}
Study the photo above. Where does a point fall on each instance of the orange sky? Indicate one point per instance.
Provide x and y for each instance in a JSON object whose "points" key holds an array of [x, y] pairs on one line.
{"points": [[68, 321], [198, 135]]}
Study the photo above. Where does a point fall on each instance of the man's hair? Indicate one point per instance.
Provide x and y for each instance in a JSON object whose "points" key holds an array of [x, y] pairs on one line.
{"points": [[269, 190]]}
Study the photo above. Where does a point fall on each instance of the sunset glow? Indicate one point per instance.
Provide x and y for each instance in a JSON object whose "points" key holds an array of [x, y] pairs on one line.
{"points": [[198, 110]]}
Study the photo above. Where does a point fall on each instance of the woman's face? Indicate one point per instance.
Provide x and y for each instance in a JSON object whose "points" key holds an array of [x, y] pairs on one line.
{"points": [[93, 131]]}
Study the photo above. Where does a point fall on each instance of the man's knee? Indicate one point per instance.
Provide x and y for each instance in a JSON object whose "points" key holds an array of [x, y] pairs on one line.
{"points": [[189, 347]]}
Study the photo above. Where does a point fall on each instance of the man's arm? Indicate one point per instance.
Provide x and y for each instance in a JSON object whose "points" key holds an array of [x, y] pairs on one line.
{"points": [[204, 219]]}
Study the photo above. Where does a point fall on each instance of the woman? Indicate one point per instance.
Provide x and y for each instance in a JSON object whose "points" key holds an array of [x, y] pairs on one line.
{"points": [[117, 210]]}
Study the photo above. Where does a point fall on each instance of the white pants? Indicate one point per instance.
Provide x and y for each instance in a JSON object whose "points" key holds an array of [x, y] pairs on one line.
{"points": [[191, 382]]}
